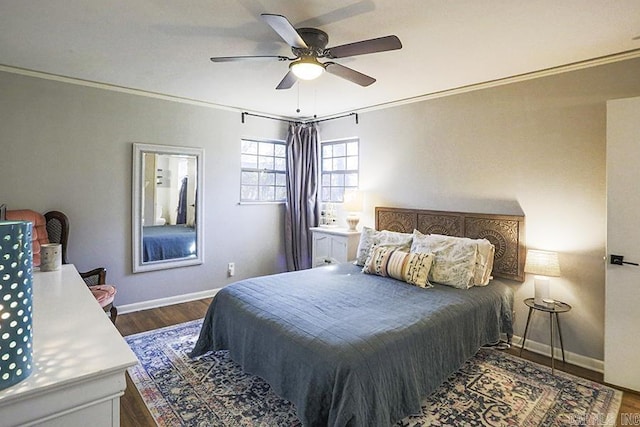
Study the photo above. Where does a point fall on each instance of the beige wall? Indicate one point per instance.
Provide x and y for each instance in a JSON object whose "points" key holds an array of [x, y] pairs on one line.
{"points": [[69, 148], [537, 147]]}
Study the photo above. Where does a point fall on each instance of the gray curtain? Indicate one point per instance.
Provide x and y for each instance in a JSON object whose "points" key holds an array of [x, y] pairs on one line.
{"points": [[302, 208]]}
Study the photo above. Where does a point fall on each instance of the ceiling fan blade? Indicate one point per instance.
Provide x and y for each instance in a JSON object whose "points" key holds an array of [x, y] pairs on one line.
{"points": [[249, 58], [348, 74], [289, 80], [283, 27], [380, 44]]}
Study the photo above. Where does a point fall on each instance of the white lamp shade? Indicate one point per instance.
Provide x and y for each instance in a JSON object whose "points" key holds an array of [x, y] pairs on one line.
{"points": [[353, 201], [307, 68], [542, 263]]}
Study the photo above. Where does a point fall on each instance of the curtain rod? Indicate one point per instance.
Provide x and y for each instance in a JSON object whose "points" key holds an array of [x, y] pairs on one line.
{"points": [[338, 117], [244, 113]]}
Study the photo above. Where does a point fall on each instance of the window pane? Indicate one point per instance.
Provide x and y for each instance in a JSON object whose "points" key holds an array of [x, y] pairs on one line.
{"points": [[352, 163], [249, 192], [351, 180], [280, 150], [326, 194], [326, 179], [281, 179], [339, 164], [249, 178], [337, 179], [327, 151], [281, 193], [248, 161], [337, 194], [267, 193], [265, 163], [280, 164], [327, 165], [249, 147], [352, 149], [267, 178], [265, 149], [339, 150]]}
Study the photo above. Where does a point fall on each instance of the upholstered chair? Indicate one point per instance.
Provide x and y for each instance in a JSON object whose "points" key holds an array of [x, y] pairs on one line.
{"points": [[39, 229], [58, 232]]}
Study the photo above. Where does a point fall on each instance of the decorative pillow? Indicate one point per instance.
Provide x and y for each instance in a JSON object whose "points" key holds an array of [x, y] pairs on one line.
{"points": [[484, 260], [393, 238], [454, 260], [412, 268], [370, 237]]}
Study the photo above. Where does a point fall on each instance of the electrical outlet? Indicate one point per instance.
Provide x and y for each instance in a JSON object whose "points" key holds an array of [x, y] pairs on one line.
{"points": [[231, 269]]}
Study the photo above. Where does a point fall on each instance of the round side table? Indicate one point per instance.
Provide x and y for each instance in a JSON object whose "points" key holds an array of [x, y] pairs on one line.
{"points": [[553, 308]]}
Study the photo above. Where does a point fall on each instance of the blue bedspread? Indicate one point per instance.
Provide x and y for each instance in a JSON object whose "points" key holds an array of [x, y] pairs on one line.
{"points": [[349, 348], [160, 242]]}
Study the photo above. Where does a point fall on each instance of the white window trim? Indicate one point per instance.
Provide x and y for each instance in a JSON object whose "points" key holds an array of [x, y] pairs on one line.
{"points": [[338, 141], [259, 202]]}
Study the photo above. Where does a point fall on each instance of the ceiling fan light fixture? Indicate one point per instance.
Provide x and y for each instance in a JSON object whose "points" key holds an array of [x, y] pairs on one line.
{"points": [[307, 68]]}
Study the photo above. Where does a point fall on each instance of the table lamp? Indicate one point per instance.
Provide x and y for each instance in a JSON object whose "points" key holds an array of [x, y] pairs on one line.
{"points": [[543, 264], [353, 201], [15, 306]]}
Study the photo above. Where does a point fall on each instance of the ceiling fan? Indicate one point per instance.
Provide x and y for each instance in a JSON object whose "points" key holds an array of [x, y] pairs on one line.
{"points": [[309, 44]]}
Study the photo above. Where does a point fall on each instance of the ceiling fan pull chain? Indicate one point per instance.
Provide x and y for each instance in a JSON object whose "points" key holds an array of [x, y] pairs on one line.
{"points": [[298, 108], [315, 101]]}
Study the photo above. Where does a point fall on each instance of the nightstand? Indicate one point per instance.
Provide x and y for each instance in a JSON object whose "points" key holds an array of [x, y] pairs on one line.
{"points": [[333, 245], [553, 308]]}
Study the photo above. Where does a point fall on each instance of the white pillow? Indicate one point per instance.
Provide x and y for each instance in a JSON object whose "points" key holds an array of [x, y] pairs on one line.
{"points": [[454, 261], [370, 237], [484, 262]]}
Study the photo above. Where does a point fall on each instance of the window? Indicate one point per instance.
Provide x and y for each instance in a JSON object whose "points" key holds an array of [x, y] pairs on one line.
{"points": [[339, 168], [264, 168]]}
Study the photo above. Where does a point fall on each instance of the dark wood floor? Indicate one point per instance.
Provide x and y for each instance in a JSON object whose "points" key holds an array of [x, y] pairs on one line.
{"points": [[133, 412]]}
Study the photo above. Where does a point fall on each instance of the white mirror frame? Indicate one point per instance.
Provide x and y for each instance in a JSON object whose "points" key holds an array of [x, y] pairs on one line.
{"points": [[137, 193]]}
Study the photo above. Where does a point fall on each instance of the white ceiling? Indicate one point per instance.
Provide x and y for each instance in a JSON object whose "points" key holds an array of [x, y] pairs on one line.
{"points": [[164, 46]]}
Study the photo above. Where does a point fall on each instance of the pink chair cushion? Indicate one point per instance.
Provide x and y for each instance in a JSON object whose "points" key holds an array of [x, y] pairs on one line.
{"points": [[39, 234], [104, 294]]}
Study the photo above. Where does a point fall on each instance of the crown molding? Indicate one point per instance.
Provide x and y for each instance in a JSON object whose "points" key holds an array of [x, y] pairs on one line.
{"points": [[574, 66]]}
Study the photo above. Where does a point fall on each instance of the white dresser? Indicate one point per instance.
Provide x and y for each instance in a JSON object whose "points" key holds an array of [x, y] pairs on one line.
{"points": [[331, 245], [79, 359]]}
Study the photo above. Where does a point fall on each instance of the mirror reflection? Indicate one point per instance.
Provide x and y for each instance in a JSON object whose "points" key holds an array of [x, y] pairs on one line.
{"points": [[166, 207]]}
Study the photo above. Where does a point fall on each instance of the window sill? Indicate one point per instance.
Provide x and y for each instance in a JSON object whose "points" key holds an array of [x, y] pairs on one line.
{"points": [[262, 203]]}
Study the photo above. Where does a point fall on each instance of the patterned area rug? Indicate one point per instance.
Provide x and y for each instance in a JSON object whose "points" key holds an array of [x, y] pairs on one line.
{"points": [[491, 389]]}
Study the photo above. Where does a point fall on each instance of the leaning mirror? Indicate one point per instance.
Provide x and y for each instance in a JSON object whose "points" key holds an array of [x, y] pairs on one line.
{"points": [[167, 206]]}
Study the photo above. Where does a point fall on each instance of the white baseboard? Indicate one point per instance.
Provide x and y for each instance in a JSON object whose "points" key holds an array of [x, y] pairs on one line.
{"points": [[162, 302], [570, 357]]}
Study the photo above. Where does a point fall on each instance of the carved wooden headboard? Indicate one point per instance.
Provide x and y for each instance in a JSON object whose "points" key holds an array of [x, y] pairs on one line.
{"points": [[506, 232]]}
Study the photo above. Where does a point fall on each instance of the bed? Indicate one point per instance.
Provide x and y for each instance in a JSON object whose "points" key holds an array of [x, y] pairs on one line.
{"points": [[162, 242], [356, 349]]}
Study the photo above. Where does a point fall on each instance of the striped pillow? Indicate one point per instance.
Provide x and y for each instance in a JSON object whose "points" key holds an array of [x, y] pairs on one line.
{"points": [[412, 268]]}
